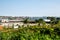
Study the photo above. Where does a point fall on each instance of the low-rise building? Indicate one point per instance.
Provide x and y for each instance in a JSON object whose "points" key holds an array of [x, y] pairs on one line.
{"points": [[10, 23]]}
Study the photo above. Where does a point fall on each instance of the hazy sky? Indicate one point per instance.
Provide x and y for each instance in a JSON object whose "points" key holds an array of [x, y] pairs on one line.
{"points": [[29, 7]]}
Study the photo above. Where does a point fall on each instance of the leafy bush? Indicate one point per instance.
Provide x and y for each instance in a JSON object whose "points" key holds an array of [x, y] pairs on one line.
{"points": [[31, 33]]}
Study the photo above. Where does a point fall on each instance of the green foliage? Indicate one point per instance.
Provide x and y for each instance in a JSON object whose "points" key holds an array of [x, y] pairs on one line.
{"points": [[31, 33], [26, 20]]}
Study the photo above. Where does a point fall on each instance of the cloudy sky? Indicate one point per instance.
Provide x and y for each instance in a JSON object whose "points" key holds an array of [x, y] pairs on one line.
{"points": [[29, 7]]}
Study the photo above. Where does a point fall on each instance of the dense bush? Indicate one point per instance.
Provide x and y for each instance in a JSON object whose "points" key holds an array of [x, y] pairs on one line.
{"points": [[31, 33]]}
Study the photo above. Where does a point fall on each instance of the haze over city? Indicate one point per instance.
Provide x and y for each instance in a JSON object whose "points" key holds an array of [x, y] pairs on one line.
{"points": [[30, 8]]}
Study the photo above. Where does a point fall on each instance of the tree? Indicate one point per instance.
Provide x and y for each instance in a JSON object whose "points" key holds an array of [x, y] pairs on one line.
{"points": [[36, 21], [26, 20], [53, 20], [39, 21]]}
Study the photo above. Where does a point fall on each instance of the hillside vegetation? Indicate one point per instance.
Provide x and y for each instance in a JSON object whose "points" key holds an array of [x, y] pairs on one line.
{"points": [[43, 32]]}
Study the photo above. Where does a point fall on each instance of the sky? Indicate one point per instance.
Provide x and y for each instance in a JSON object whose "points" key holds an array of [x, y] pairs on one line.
{"points": [[30, 8]]}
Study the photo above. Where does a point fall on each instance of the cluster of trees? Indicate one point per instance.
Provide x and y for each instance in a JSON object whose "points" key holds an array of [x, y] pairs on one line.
{"points": [[41, 21]]}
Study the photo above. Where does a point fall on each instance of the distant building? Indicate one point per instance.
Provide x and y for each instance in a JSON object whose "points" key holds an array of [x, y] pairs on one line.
{"points": [[18, 22], [7, 22], [4, 20], [47, 20]]}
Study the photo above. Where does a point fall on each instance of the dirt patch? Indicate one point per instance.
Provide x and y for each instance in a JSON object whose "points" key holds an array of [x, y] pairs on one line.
{"points": [[1, 27]]}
